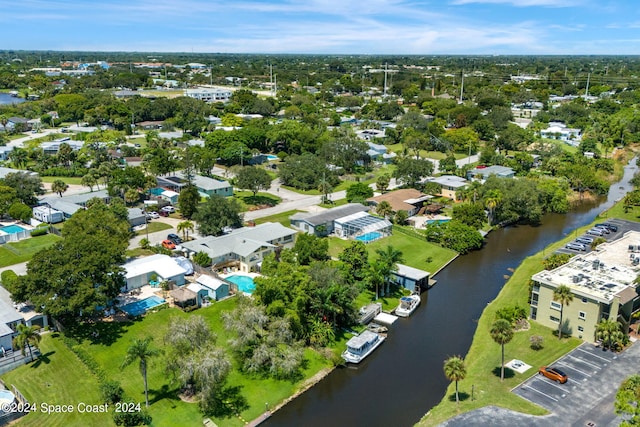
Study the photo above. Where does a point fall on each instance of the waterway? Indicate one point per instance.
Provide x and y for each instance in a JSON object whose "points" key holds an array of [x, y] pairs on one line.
{"points": [[5, 98], [403, 379]]}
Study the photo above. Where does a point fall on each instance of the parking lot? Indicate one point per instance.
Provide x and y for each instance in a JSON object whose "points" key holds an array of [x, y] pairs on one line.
{"points": [[623, 227], [581, 366]]}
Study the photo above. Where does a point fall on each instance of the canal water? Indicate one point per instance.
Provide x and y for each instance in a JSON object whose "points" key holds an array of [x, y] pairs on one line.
{"points": [[5, 98], [403, 379]]}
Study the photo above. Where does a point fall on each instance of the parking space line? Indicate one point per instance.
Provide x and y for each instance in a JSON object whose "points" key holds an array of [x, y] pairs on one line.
{"points": [[578, 370], [544, 394], [585, 362], [554, 385], [594, 355]]}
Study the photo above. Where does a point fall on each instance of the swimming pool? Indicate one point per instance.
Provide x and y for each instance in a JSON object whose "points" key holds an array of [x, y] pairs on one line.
{"points": [[369, 237], [140, 307], [272, 157], [437, 221], [245, 283], [12, 229]]}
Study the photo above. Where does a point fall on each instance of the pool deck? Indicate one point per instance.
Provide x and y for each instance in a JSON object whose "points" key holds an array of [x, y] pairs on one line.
{"points": [[146, 291]]}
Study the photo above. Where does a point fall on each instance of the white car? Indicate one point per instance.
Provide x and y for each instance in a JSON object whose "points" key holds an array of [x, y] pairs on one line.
{"points": [[168, 209], [153, 215]]}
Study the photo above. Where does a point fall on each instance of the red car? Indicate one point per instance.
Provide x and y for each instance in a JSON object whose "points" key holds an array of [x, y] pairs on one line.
{"points": [[554, 374], [168, 244]]}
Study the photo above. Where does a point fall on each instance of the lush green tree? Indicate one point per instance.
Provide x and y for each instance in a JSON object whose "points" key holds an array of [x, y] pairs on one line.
{"points": [[131, 196], [471, 214], [20, 211], [359, 192], [131, 177], [19, 157], [188, 200], [305, 172], [492, 199], [554, 261], [202, 259], [253, 178], [389, 257], [627, 403], [28, 337], [89, 180], [345, 152], [8, 196], [355, 259], [382, 183], [27, 186], [455, 370], [448, 164], [411, 171], [142, 352], [384, 209], [216, 214], [184, 227], [502, 333], [82, 271], [564, 296], [610, 333], [454, 235], [401, 217], [309, 247]]}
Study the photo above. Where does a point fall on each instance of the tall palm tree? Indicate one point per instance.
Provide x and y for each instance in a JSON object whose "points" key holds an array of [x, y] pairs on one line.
{"points": [[491, 200], [28, 336], [384, 209], [184, 227], [502, 333], [609, 332], [59, 186], [19, 157], [325, 188], [563, 295], [390, 257], [455, 370], [376, 274], [141, 350]]}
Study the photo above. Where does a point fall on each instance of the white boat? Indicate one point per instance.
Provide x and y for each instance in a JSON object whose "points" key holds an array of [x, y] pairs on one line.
{"points": [[407, 305], [361, 346]]}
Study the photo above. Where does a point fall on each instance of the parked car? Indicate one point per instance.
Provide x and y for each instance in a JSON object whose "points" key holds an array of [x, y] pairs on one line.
{"points": [[554, 374], [168, 244], [163, 213], [174, 238], [153, 215], [605, 230], [168, 209], [576, 246], [607, 226], [595, 232], [585, 240]]}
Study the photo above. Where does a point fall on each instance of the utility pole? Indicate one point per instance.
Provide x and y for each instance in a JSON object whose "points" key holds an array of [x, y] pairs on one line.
{"points": [[384, 93], [586, 91], [461, 87]]}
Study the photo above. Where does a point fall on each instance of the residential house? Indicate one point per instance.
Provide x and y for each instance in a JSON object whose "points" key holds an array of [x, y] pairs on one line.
{"points": [[201, 292], [139, 272], [52, 148], [603, 285], [449, 185], [47, 214], [378, 152], [322, 223], [150, 124], [5, 151], [217, 288], [408, 199], [6, 171], [481, 173], [559, 131], [411, 278], [244, 247], [209, 94], [12, 314], [205, 185], [19, 124], [69, 205]]}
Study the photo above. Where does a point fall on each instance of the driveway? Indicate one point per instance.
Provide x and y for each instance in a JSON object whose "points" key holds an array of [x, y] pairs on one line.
{"points": [[585, 400]]}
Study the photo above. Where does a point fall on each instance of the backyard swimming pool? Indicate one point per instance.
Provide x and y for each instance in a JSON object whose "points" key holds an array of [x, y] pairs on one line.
{"points": [[271, 157], [437, 221], [12, 229], [369, 237], [245, 283], [140, 307]]}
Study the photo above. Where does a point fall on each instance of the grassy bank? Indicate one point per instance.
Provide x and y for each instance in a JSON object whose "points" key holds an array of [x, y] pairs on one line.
{"points": [[483, 358]]}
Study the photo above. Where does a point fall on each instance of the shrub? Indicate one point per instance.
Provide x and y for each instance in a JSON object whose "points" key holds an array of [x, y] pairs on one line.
{"points": [[202, 259], [144, 243], [111, 391], [134, 418], [8, 279], [512, 314], [40, 231], [536, 342]]}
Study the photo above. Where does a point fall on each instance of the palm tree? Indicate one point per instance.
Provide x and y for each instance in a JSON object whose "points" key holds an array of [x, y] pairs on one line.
{"points": [[131, 196], [59, 186], [563, 295], [502, 333], [384, 209], [141, 350], [376, 274], [390, 257], [28, 336], [455, 370], [609, 332], [491, 200], [325, 188], [89, 180], [184, 227], [19, 157]]}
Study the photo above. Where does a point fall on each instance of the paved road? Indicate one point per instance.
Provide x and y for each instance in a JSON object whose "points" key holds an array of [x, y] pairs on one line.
{"points": [[585, 400]]}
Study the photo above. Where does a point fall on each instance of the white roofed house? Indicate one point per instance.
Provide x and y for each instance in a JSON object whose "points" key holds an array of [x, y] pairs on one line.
{"points": [[140, 271], [245, 246], [558, 130], [209, 94]]}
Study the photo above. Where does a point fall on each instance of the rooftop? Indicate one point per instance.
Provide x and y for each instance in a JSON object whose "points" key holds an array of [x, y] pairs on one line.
{"points": [[401, 200], [411, 273], [603, 274], [162, 265], [450, 181], [329, 215]]}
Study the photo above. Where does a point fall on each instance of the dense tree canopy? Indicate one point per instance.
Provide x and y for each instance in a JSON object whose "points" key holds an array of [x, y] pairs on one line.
{"points": [[217, 213]]}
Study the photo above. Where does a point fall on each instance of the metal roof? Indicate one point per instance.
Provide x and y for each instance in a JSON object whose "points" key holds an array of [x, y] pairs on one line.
{"points": [[329, 215]]}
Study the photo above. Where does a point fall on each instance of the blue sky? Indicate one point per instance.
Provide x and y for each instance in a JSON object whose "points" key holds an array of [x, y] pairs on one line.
{"points": [[325, 26]]}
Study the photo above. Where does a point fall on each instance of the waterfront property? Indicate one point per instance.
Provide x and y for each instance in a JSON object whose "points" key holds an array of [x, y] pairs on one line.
{"points": [[322, 223], [410, 278], [407, 199], [407, 305], [244, 248], [449, 185], [481, 173], [603, 284]]}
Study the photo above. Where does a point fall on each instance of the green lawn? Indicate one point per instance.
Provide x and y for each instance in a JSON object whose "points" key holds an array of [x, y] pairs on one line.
{"points": [[154, 226], [417, 252], [484, 354], [57, 378], [261, 200], [282, 218], [73, 180], [334, 204], [436, 155], [15, 253]]}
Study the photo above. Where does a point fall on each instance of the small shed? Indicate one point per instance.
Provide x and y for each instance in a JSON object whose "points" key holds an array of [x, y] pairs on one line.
{"points": [[216, 287], [201, 292], [184, 297], [411, 278], [170, 196]]}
